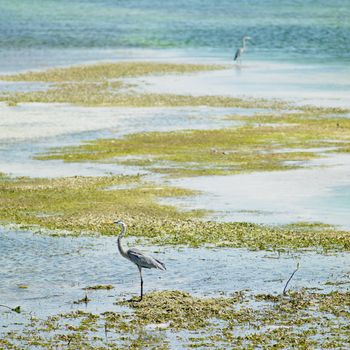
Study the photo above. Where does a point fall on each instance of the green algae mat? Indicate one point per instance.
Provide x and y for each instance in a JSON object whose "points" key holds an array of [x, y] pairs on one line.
{"points": [[278, 141], [104, 85], [89, 205], [174, 319]]}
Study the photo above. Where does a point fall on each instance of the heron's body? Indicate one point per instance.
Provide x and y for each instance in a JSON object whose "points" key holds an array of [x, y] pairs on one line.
{"points": [[239, 52], [141, 260], [137, 257]]}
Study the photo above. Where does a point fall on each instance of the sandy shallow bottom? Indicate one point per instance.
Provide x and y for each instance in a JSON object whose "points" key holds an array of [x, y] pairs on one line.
{"points": [[55, 269]]}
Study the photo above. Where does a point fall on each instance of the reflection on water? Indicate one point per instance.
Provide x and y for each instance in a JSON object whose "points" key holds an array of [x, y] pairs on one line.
{"points": [[55, 269]]}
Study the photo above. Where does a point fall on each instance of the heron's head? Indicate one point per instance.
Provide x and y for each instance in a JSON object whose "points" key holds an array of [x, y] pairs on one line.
{"points": [[119, 222], [247, 38]]}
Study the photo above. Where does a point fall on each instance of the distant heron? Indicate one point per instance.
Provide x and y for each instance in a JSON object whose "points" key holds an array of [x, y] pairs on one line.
{"points": [[239, 52], [137, 257]]}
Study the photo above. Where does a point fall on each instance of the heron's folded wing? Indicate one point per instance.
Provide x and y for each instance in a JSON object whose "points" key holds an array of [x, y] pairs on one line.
{"points": [[142, 260], [161, 264]]}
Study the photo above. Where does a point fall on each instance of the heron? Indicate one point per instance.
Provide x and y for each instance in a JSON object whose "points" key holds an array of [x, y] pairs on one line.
{"points": [[239, 52], [137, 257]]}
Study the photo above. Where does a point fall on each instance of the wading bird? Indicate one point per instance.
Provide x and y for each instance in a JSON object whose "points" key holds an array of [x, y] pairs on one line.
{"points": [[137, 257], [239, 52]]}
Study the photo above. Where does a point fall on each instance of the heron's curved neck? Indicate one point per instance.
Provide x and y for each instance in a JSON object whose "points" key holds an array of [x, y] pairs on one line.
{"points": [[244, 42], [120, 248]]}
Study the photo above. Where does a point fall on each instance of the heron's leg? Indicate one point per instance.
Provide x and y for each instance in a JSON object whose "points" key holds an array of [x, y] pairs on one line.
{"points": [[140, 269]]}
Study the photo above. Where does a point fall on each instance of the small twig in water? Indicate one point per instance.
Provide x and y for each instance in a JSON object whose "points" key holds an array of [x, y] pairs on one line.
{"points": [[84, 300], [16, 309], [69, 341], [291, 276], [106, 331]]}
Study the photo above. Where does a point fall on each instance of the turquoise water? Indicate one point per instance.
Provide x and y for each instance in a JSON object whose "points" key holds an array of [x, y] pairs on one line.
{"points": [[316, 30]]}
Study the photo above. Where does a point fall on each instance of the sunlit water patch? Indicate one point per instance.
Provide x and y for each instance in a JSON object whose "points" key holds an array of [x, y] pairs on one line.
{"points": [[317, 193], [45, 275]]}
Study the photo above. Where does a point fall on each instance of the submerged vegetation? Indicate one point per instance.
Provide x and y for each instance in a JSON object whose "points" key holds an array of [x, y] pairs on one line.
{"points": [[90, 204], [263, 143], [83, 204], [175, 319], [105, 71], [103, 85]]}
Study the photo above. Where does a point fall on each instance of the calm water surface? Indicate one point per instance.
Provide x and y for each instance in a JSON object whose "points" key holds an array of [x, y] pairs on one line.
{"points": [[318, 193], [293, 29], [55, 269]]}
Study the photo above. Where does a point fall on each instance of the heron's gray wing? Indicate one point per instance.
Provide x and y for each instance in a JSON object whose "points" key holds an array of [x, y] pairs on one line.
{"points": [[142, 260]]}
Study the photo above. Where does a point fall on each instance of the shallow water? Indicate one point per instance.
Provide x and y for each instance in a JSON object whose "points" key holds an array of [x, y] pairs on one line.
{"points": [[8, 86], [55, 269], [299, 50], [298, 83], [319, 192], [30, 122], [27, 130]]}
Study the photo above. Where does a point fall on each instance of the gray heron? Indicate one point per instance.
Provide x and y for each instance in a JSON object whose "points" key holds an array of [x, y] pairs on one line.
{"points": [[137, 257], [239, 52]]}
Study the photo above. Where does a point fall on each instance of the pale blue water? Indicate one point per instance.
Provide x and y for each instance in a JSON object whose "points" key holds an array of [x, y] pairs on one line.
{"points": [[56, 270], [306, 30]]}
